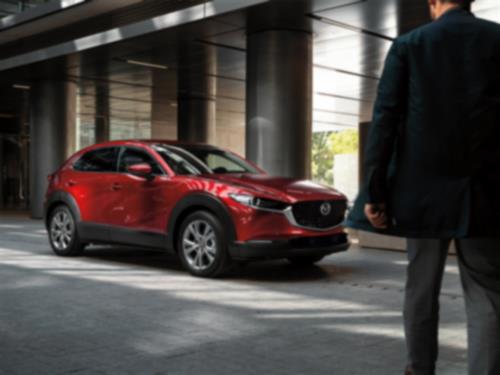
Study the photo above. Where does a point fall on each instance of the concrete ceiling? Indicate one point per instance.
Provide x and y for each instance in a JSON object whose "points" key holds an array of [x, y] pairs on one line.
{"points": [[351, 39]]}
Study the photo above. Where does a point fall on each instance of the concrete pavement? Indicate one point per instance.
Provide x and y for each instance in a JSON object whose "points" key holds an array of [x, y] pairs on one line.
{"points": [[128, 311]]}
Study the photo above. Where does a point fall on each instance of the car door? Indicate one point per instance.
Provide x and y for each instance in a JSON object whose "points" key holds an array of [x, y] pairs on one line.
{"points": [[90, 183], [140, 203]]}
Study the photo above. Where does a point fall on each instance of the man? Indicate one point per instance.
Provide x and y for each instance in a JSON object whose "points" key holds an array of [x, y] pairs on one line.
{"points": [[433, 175]]}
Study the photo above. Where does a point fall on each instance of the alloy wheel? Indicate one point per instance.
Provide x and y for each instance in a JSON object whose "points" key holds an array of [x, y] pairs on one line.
{"points": [[199, 245], [61, 230]]}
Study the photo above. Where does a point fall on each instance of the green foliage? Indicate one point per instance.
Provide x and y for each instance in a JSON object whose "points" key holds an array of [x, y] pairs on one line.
{"points": [[325, 145], [322, 158], [345, 142]]}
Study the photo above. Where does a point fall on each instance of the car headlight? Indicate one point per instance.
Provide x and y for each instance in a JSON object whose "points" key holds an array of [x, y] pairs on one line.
{"points": [[259, 203]]}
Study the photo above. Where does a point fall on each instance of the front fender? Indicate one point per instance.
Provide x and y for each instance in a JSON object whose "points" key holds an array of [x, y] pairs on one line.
{"points": [[199, 201]]}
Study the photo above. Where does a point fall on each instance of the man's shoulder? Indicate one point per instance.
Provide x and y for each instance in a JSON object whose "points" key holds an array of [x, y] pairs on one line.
{"points": [[489, 25], [417, 34], [430, 30]]}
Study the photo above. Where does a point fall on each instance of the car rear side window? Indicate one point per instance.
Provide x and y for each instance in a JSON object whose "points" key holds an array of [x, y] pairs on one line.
{"points": [[100, 160], [131, 156]]}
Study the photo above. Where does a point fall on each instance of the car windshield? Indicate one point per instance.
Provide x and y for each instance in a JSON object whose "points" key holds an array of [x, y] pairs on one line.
{"points": [[194, 160]]}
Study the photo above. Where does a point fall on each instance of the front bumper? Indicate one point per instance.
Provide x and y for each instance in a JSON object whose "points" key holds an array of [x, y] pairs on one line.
{"points": [[301, 246]]}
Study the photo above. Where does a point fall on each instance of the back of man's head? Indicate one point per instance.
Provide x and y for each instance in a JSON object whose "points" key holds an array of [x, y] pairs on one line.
{"points": [[438, 7], [466, 4]]}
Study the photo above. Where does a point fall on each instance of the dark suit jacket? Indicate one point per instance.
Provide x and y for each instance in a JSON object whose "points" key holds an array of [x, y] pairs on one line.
{"points": [[433, 151]]}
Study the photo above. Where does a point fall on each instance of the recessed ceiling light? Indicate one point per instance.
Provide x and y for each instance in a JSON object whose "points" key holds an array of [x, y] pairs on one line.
{"points": [[147, 64], [21, 87]]}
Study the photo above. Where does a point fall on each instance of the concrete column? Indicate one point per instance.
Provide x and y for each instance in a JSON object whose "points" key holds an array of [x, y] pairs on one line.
{"points": [[102, 125], [50, 110], [2, 172], [163, 106], [71, 90], [197, 88], [279, 101], [364, 128], [24, 147]]}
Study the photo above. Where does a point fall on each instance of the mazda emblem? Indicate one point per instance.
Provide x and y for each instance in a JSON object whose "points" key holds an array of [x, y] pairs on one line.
{"points": [[325, 209]]}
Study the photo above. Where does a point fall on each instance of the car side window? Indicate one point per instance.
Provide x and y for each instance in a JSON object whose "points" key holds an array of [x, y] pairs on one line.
{"points": [[220, 164], [131, 156], [100, 160]]}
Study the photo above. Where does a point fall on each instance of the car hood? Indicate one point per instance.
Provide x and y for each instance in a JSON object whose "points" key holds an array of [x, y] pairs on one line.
{"points": [[283, 188]]}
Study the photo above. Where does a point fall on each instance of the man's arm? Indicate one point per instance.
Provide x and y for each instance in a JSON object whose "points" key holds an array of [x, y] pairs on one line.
{"points": [[390, 108]]}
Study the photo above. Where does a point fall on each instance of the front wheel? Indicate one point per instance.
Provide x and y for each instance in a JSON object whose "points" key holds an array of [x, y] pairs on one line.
{"points": [[202, 245], [305, 261], [63, 234]]}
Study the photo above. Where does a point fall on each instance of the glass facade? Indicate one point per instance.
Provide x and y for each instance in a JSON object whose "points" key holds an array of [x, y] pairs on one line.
{"points": [[118, 129], [11, 7], [85, 131], [117, 116], [130, 129]]}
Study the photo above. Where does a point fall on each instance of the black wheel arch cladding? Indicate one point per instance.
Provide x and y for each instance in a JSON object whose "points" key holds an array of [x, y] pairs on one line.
{"points": [[61, 197], [192, 203]]}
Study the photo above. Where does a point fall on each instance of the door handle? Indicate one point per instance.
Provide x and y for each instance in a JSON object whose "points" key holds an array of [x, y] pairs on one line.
{"points": [[116, 187], [71, 183]]}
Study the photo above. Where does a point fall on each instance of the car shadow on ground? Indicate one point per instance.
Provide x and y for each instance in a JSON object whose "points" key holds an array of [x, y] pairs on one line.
{"points": [[134, 256], [271, 271]]}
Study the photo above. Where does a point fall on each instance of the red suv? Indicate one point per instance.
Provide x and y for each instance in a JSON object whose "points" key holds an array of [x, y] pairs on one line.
{"points": [[207, 205]]}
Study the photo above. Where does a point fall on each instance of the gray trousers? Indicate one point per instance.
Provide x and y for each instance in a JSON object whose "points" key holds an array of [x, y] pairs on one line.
{"points": [[479, 263]]}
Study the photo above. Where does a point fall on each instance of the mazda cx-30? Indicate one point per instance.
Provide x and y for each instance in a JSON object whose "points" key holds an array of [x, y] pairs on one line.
{"points": [[207, 205]]}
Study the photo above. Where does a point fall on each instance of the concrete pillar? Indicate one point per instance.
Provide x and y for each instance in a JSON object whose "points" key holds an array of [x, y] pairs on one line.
{"points": [[102, 123], [24, 147], [364, 128], [71, 90], [2, 173], [51, 115], [197, 88], [279, 101], [163, 106]]}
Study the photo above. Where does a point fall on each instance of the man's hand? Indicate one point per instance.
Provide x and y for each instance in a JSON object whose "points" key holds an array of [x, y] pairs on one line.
{"points": [[376, 214]]}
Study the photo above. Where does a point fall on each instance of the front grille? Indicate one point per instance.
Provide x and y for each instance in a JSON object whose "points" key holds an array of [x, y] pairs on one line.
{"points": [[311, 214]]}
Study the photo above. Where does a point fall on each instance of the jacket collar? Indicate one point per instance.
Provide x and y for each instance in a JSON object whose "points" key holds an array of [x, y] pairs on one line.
{"points": [[455, 12]]}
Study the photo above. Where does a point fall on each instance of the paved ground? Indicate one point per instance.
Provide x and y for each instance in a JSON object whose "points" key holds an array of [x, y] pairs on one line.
{"points": [[127, 311]]}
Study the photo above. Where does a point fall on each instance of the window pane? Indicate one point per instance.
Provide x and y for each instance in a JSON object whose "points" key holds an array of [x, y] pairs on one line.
{"points": [[220, 164], [101, 160], [180, 161], [220, 161]]}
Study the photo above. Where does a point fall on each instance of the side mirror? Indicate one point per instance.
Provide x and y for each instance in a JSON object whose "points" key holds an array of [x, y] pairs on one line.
{"points": [[141, 170]]}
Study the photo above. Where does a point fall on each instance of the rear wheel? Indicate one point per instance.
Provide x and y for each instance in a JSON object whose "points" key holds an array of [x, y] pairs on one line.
{"points": [[307, 260], [63, 234], [202, 245]]}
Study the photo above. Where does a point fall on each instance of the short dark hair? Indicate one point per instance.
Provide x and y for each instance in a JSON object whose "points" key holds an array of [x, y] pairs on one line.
{"points": [[463, 3]]}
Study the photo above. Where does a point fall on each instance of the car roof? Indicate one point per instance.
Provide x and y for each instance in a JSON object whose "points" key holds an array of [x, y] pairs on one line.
{"points": [[131, 142]]}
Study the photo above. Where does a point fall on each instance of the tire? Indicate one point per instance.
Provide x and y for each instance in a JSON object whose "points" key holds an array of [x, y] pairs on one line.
{"points": [[202, 245], [305, 261], [63, 233]]}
